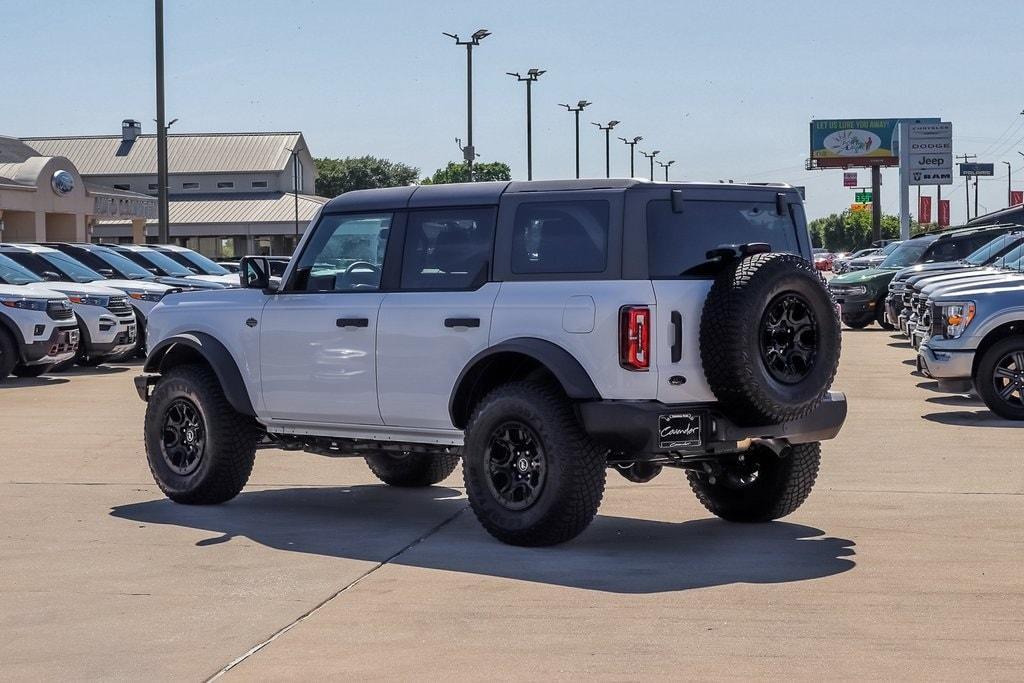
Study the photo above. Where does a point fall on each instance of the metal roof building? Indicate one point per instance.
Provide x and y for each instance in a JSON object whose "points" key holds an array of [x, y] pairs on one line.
{"points": [[229, 193]]}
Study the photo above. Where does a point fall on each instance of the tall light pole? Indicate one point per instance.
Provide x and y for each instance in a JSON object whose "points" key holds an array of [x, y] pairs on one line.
{"points": [[650, 156], [632, 153], [607, 128], [295, 185], [580, 106], [1009, 184], [468, 152], [665, 166], [163, 209], [531, 76]]}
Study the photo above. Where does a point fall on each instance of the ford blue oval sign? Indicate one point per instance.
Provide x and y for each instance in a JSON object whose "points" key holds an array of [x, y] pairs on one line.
{"points": [[62, 182]]}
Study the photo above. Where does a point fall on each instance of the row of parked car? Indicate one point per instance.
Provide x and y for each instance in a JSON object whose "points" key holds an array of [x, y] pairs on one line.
{"points": [[958, 296], [64, 303]]}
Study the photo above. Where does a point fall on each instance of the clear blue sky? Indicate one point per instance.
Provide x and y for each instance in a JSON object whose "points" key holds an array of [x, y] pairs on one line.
{"points": [[726, 88]]}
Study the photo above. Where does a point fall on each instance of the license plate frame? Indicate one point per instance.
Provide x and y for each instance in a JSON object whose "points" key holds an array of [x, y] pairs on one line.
{"points": [[681, 430]]}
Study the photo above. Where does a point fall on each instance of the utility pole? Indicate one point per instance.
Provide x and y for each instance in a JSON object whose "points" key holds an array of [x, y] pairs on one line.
{"points": [[650, 156], [1009, 184], [665, 166], [607, 128], [295, 185], [580, 106], [876, 203], [469, 152], [632, 154], [976, 183], [163, 209], [967, 184], [531, 76]]}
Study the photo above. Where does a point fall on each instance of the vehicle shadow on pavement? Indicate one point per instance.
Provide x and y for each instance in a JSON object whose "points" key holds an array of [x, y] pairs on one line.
{"points": [[615, 554], [957, 400], [972, 418], [18, 383], [93, 370]]}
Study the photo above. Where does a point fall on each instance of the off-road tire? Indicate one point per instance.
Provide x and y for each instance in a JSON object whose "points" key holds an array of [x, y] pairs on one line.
{"points": [[881, 319], [575, 466], [857, 323], [8, 355], [413, 469], [782, 485], [230, 449], [731, 345], [31, 370], [984, 378]]}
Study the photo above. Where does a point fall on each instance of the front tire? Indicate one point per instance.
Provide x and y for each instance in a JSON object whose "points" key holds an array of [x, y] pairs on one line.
{"points": [[999, 378], [761, 488], [533, 477], [31, 370], [881, 319], [200, 450], [412, 469], [8, 355], [856, 323]]}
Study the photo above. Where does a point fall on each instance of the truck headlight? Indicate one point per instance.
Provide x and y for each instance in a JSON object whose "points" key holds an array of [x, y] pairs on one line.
{"points": [[146, 296], [851, 290], [956, 317], [89, 300], [27, 304]]}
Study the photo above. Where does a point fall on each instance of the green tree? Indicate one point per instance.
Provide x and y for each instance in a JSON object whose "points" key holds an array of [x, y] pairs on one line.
{"points": [[849, 231], [337, 176], [458, 172]]}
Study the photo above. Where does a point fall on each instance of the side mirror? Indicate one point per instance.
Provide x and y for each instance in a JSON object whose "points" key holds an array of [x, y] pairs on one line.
{"points": [[254, 272], [51, 276], [106, 272]]}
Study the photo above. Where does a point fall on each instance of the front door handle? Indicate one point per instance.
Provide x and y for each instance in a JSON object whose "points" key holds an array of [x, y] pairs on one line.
{"points": [[462, 322], [353, 322]]}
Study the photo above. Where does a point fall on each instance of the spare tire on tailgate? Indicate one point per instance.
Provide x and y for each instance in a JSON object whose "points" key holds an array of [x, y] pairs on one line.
{"points": [[769, 339]]}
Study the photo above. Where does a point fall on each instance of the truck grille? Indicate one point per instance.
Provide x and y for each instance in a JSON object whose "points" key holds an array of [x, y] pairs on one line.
{"points": [[59, 309], [118, 305]]}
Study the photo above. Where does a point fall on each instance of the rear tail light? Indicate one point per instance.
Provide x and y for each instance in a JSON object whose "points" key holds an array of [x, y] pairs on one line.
{"points": [[635, 338]]}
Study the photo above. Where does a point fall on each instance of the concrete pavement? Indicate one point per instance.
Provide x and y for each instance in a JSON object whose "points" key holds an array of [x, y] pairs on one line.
{"points": [[905, 562]]}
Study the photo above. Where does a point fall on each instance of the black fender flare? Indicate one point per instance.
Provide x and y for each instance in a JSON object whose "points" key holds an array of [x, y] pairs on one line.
{"points": [[563, 365], [12, 328], [216, 355]]}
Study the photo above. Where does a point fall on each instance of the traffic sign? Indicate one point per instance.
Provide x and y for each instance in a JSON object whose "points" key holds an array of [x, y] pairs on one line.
{"points": [[862, 197]]}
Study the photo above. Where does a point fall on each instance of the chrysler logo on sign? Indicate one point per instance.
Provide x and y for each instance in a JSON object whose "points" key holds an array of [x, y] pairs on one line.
{"points": [[62, 182]]}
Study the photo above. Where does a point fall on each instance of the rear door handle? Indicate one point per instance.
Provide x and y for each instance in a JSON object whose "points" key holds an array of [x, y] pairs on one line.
{"points": [[353, 322], [462, 322], [677, 336]]}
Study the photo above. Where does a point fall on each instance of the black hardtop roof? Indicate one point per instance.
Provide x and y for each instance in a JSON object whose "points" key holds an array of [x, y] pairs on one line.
{"points": [[489, 193], [975, 230]]}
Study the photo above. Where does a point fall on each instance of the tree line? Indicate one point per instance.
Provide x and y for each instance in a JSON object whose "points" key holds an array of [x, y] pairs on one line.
{"points": [[851, 230], [337, 176]]}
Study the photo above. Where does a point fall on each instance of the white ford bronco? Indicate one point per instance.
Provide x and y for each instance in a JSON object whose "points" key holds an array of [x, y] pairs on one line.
{"points": [[542, 332]]}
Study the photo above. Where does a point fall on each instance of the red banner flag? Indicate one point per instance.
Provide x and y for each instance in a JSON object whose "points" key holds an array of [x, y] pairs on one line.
{"points": [[1016, 197], [924, 210], [943, 212]]}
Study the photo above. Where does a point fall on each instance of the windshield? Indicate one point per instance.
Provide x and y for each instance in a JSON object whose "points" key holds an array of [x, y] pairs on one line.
{"points": [[1011, 259], [13, 273], [193, 259], [124, 267], [906, 254], [989, 252], [79, 272], [154, 259]]}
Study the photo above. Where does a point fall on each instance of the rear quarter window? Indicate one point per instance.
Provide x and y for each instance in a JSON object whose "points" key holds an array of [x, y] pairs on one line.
{"points": [[679, 242], [560, 237]]}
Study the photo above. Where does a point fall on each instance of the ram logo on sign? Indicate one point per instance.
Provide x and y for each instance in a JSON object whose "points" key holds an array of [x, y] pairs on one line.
{"points": [[932, 177]]}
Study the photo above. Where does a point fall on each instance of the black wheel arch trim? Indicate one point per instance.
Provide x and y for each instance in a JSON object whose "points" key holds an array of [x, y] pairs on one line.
{"points": [[573, 378], [216, 355], [9, 326]]}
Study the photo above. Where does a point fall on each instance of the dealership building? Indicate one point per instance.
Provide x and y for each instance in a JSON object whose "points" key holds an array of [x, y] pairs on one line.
{"points": [[229, 194], [45, 197]]}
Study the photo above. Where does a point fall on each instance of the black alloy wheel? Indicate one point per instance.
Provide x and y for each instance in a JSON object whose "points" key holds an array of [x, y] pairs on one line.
{"points": [[184, 437], [516, 465], [1008, 378], [789, 338]]}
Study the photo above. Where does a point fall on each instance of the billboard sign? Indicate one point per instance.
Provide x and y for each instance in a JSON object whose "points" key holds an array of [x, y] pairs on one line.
{"points": [[850, 179], [943, 213], [843, 143], [924, 210], [977, 169]]}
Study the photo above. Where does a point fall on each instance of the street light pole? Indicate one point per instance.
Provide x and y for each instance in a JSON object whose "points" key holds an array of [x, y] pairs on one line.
{"points": [[531, 76], [651, 156], [665, 166], [632, 154], [163, 209], [469, 152], [607, 128], [580, 106], [295, 185], [1009, 184]]}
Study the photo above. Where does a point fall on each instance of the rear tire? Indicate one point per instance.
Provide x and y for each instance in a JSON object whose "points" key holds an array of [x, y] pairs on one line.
{"points": [[8, 355], [779, 485], [412, 469], [200, 450], [1000, 370], [533, 477]]}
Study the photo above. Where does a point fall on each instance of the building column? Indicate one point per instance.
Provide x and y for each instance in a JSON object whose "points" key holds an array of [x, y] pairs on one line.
{"points": [[138, 231], [80, 232], [40, 226]]}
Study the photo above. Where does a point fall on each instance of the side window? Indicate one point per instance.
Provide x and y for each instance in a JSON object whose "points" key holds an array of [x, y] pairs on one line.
{"points": [[447, 248], [345, 254], [943, 250], [560, 237]]}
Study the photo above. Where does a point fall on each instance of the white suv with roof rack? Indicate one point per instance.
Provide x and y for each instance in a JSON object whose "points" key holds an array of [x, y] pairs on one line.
{"points": [[37, 330]]}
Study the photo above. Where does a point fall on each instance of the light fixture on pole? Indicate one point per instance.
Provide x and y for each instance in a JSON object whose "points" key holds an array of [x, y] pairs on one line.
{"points": [[665, 166], [580, 106], [468, 152], [295, 185], [607, 128], [650, 156], [531, 76], [632, 153]]}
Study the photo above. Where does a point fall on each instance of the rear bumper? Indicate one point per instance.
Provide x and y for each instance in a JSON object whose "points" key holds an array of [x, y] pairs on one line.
{"points": [[634, 426]]}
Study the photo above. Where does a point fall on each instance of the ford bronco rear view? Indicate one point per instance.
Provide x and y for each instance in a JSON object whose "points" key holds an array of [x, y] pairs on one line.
{"points": [[542, 332]]}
